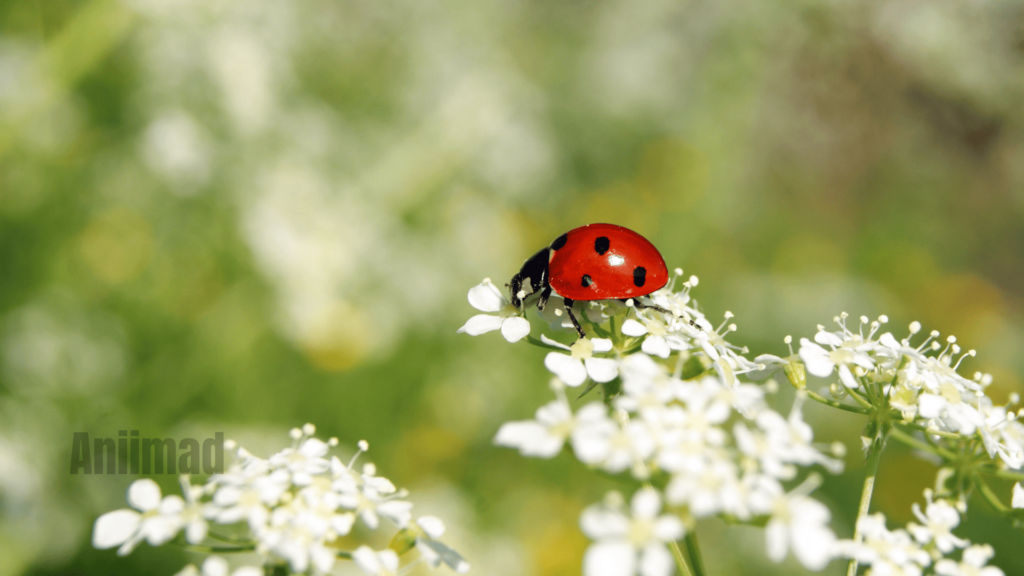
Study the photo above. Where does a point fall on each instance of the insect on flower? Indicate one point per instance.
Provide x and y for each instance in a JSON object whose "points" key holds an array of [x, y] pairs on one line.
{"points": [[592, 262]]}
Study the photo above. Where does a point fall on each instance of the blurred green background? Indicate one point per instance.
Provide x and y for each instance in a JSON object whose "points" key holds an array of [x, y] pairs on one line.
{"points": [[244, 215]]}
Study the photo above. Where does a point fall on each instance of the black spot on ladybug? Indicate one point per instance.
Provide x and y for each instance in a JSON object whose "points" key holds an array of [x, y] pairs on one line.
{"points": [[559, 242], [639, 276], [586, 281], [601, 245]]}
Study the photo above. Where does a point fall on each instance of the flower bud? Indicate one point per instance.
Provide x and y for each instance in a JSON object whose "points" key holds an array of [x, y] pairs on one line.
{"points": [[797, 374]]}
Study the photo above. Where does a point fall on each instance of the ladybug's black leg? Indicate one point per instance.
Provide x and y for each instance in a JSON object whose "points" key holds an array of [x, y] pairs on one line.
{"points": [[575, 322], [641, 306], [544, 298]]}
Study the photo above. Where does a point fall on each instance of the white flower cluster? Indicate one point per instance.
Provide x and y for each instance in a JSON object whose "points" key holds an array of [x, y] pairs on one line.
{"points": [[291, 508], [921, 382], [920, 548], [677, 417]]}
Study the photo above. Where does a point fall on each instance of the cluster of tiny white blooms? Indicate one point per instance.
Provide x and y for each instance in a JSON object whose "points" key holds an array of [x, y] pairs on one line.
{"points": [[677, 416], [292, 508], [920, 548], [919, 380]]}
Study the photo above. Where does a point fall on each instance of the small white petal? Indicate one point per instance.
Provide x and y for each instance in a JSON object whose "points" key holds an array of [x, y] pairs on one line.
{"points": [[600, 523], [668, 528], [115, 528], [1018, 496], [515, 329], [550, 342], [847, 377], [144, 495], [486, 297], [432, 525], [609, 559], [601, 344], [191, 570], [646, 504], [481, 324], [367, 561], [313, 448], [567, 368], [248, 571], [602, 369], [829, 338], [656, 346], [215, 566], [775, 534], [633, 328], [530, 438], [655, 560]]}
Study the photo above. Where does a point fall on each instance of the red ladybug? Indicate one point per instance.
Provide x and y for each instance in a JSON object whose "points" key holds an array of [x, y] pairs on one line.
{"points": [[593, 262]]}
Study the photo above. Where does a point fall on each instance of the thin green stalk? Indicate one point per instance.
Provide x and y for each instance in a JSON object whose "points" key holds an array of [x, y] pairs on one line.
{"points": [[989, 495], [819, 398], [920, 445], [860, 400], [677, 554], [928, 430], [540, 344], [217, 549], [1005, 474], [874, 457], [693, 549]]}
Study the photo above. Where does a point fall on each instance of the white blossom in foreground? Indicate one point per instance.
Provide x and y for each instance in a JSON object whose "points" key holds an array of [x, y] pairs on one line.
{"points": [[633, 543], [677, 417], [217, 566], [919, 549], [502, 315], [296, 505], [156, 520]]}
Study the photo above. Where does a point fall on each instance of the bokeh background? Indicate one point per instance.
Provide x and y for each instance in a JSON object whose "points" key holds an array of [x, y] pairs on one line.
{"points": [[244, 215]]}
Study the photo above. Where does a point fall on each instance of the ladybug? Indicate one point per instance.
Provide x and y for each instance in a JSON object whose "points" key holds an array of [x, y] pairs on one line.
{"points": [[592, 262]]}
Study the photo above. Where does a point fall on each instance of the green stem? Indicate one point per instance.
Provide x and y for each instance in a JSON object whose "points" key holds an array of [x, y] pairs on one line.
{"points": [[819, 398], [218, 549], [989, 495], [920, 445], [860, 400], [540, 344], [1005, 474], [874, 457], [684, 567], [693, 549], [928, 430]]}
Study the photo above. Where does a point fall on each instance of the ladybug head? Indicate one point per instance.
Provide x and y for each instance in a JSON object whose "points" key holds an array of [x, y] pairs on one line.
{"points": [[532, 278]]}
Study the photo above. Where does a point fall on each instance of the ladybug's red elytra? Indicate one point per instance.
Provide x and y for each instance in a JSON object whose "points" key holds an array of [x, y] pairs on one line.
{"points": [[592, 262]]}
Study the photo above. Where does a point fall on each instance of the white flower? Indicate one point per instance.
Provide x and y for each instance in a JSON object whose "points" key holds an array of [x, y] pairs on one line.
{"points": [[573, 368], [659, 341], [600, 440], [303, 462], [157, 520], [938, 521], [843, 355], [783, 442], [801, 523], [433, 552], [972, 563], [630, 545], [886, 552], [217, 566], [372, 563], [1018, 496], [543, 437], [487, 298]]}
